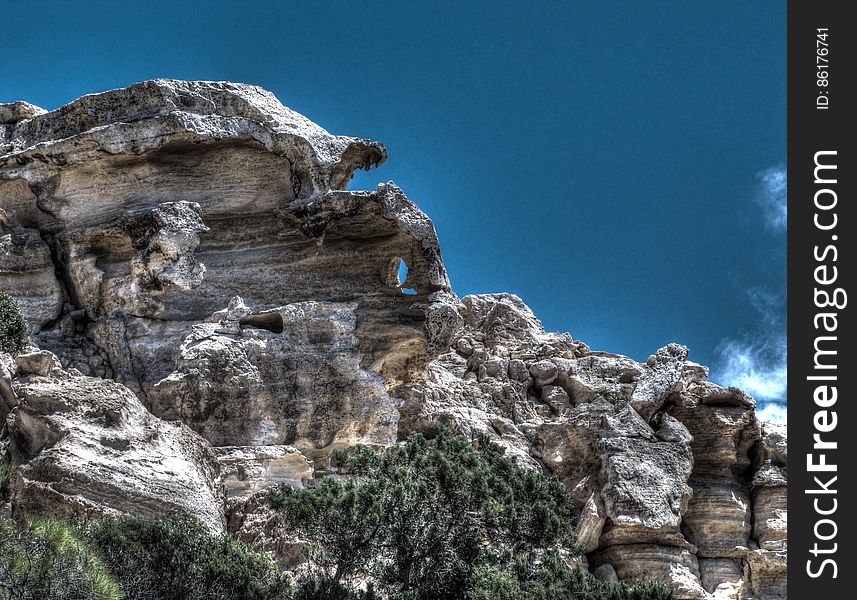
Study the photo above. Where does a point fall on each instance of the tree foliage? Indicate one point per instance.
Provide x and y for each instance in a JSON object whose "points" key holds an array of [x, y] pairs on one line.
{"points": [[554, 580], [441, 519], [13, 327], [51, 560], [178, 558]]}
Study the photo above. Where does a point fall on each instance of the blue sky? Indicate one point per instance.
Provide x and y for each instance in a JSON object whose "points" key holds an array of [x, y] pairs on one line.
{"points": [[618, 165]]}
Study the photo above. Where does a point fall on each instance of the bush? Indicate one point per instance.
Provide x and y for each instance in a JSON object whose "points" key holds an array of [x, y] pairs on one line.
{"points": [[554, 580], [50, 560], [440, 519], [13, 327], [177, 558]]}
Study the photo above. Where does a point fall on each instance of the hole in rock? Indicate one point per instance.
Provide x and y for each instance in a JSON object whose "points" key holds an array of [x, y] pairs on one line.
{"points": [[403, 271], [403, 277], [271, 320]]}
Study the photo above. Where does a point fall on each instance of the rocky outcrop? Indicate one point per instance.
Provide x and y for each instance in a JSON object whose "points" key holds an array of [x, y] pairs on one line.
{"points": [[221, 314], [85, 447], [674, 476]]}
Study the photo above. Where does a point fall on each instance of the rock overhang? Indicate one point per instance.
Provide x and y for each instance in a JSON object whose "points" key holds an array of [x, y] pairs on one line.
{"points": [[153, 114]]}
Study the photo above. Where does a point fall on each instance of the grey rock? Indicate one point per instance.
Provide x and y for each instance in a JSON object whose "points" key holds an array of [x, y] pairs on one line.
{"points": [[766, 574], [40, 363], [719, 515], [303, 385], [544, 372], [246, 470], [557, 398], [8, 397], [18, 111], [672, 430], [673, 566], [606, 572], [723, 578], [769, 492], [85, 447], [26, 268], [133, 198], [518, 370], [590, 524], [656, 382], [251, 520]]}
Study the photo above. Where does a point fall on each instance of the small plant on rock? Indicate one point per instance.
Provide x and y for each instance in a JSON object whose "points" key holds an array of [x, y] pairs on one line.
{"points": [[13, 327]]}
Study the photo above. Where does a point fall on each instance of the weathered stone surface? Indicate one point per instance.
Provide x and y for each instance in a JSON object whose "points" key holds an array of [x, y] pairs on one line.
{"points": [[766, 574], [18, 111], [658, 380], [770, 505], [251, 520], [591, 523], [26, 268], [723, 578], [86, 447], [131, 197], [544, 372], [155, 113], [246, 470], [40, 362], [724, 430], [605, 572], [676, 567], [8, 397], [598, 375], [301, 382]]}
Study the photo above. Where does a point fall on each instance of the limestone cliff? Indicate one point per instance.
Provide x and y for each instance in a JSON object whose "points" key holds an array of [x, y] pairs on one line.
{"points": [[216, 313]]}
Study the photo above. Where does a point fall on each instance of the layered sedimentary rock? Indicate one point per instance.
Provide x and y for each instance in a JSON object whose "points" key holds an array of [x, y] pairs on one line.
{"points": [[190, 253]]}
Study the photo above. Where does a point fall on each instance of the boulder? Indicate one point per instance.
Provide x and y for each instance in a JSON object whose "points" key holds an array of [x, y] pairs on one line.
{"points": [[86, 447]]}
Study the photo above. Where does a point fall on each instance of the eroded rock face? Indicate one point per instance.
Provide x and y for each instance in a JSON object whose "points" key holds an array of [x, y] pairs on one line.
{"points": [[195, 242], [86, 447], [133, 214], [301, 382], [249, 469], [673, 475]]}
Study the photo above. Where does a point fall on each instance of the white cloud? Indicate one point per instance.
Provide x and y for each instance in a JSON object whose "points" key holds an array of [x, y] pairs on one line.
{"points": [[773, 412], [771, 194], [756, 360], [758, 368]]}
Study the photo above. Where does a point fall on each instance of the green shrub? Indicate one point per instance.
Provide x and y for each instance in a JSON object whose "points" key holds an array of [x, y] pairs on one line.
{"points": [[50, 560], [13, 327], [177, 558], [320, 587], [440, 519], [554, 580]]}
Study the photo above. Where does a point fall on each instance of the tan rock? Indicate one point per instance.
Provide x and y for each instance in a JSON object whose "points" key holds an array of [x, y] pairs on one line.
{"points": [[766, 575], [675, 567], [246, 470], [590, 524], [723, 578], [195, 242]]}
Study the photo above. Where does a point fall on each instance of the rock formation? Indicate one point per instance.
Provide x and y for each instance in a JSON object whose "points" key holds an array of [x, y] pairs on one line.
{"points": [[217, 313]]}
